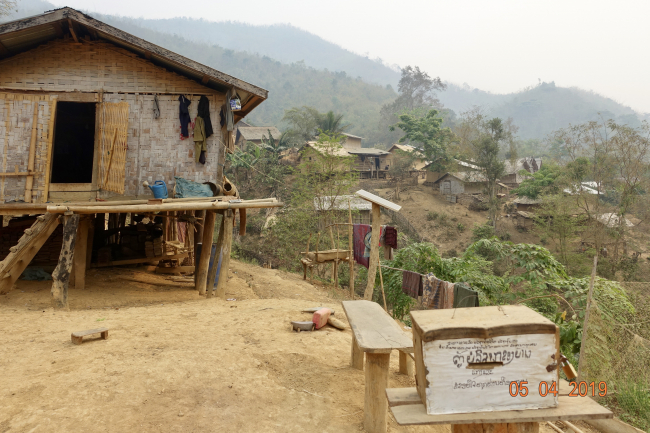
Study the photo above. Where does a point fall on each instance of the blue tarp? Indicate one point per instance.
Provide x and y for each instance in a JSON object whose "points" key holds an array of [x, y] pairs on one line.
{"points": [[188, 188]]}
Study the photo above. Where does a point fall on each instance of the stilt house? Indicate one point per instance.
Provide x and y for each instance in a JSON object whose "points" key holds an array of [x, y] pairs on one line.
{"points": [[88, 113]]}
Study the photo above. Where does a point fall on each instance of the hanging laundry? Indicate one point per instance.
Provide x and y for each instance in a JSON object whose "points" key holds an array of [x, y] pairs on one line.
{"points": [[200, 146], [359, 232], [465, 296], [156, 107], [184, 115], [368, 239], [391, 237], [412, 284], [204, 113], [431, 291], [447, 295]]}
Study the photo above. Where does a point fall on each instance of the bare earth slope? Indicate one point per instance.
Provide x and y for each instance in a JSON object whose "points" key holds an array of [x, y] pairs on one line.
{"points": [[177, 363]]}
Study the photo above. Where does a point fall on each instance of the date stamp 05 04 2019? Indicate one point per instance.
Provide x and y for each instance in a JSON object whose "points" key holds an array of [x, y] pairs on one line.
{"points": [[580, 389]]}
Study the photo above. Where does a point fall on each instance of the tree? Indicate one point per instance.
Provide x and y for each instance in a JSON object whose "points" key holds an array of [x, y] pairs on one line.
{"points": [[416, 90], [545, 181], [332, 123], [428, 136], [400, 168], [276, 146], [303, 123], [486, 147]]}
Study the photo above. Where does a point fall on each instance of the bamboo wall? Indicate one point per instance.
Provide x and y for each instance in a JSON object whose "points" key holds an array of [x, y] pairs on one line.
{"points": [[91, 72]]}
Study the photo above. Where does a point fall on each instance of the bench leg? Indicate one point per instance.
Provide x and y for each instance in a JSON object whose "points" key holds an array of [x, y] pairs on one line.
{"points": [[376, 404], [405, 364], [104, 335], [520, 427], [357, 355]]}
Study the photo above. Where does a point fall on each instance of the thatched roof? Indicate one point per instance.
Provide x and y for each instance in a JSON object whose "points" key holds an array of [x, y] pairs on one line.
{"points": [[28, 33]]}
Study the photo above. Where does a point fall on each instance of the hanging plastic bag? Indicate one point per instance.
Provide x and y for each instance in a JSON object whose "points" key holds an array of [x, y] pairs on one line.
{"points": [[235, 103]]}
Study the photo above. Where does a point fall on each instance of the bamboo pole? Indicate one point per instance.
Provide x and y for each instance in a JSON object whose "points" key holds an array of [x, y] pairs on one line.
{"points": [[50, 144], [29, 183], [381, 282], [163, 207], [590, 295], [351, 248]]}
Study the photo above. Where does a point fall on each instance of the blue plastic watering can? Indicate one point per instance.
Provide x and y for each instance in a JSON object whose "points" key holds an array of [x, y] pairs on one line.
{"points": [[159, 189]]}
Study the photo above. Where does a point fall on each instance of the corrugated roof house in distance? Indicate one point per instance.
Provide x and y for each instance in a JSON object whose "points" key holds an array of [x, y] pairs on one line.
{"points": [[254, 134], [77, 111], [369, 163], [512, 178], [351, 141], [340, 205]]}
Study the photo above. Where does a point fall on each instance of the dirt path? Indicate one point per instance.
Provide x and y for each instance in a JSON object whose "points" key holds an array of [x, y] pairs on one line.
{"points": [[177, 363]]}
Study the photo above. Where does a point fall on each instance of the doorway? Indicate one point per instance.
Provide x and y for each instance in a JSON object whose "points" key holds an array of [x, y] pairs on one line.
{"points": [[74, 143]]}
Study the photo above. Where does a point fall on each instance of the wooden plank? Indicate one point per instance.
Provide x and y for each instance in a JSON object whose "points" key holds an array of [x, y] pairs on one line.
{"points": [[206, 250], [375, 405], [375, 199], [375, 331], [80, 254], [402, 396], [212, 273], [71, 187], [77, 337], [481, 322], [569, 409], [61, 274], [374, 251], [140, 260], [224, 253]]}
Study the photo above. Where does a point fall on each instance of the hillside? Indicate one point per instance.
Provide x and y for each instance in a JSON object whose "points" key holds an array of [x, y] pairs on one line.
{"points": [[299, 68]]}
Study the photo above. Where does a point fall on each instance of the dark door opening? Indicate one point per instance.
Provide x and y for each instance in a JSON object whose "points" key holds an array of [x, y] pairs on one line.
{"points": [[74, 143]]}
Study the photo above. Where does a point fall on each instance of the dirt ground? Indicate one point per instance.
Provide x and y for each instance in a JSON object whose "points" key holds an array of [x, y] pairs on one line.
{"points": [[175, 362]]}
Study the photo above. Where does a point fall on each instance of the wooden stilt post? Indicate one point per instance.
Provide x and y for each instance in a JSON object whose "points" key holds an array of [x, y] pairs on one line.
{"points": [[61, 274], [91, 241], [212, 274], [206, 249], [80, 250], [356, 360], [376, 405], [351, 248], [198, 237], [29, 182], [374, 251], [224, 253]]}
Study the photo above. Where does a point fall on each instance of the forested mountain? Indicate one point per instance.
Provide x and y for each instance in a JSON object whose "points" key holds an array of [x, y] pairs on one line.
{"points": [[299, 68]]}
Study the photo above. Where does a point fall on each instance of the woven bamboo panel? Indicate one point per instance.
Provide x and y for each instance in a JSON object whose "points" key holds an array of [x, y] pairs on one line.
{"points": [[113, 129], [63, 65]]}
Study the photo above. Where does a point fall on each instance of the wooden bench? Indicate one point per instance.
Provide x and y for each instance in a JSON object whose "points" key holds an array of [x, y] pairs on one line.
{"points": [[77, 337], [376, 334], [407, 408]]}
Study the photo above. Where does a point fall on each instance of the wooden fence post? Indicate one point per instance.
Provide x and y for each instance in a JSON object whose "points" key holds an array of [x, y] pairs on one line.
{"points": [[206, 250], [374, 251]]}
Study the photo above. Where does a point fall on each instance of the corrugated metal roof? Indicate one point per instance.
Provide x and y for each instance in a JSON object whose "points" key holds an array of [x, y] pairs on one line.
{"points": [[367, 151], [258, 132], [341, 203], [378, 200]]}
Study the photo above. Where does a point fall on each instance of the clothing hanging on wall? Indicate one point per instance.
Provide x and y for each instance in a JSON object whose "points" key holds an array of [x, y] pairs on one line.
{"points": [[412, 284], [204, 113], [200, 145], [465, 296], [184, 115]]}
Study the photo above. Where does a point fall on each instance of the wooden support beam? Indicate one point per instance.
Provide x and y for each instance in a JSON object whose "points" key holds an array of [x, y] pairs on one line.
{"points": [[242, 222], [216, 264], [91, 241], [375, 404], [224, 252], [356, 360], [73, 31], [199, 205], [374, 251], [80, 254], [206, 250], [351, 249], [28, 246], [29, 183], [61, 274]]}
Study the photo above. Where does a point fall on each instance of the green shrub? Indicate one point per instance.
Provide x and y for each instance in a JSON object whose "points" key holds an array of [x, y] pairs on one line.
{"points": [[460, 227], [432, 216], [484, 231]]}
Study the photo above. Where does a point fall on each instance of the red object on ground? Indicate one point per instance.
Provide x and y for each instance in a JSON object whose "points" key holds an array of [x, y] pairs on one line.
{"points": [[320, 317]]}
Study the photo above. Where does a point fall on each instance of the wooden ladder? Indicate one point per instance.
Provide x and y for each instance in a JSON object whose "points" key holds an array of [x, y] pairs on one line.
{"points": [[21, 254]]}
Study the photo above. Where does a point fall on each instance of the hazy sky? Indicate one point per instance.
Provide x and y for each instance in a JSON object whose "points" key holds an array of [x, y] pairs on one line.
{"points": [[500, 46]]}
